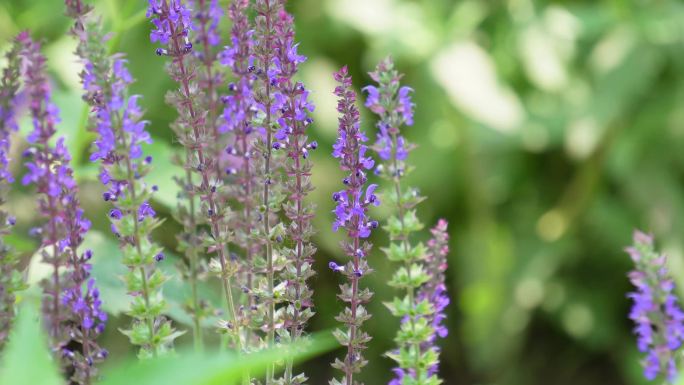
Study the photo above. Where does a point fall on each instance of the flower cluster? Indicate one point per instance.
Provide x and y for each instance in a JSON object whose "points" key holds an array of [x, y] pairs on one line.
{"points": [[352, 215], [655, 311], [10, 278], [121, 134], [243, 199], [420, 307], [73, 314], [173, 26]]}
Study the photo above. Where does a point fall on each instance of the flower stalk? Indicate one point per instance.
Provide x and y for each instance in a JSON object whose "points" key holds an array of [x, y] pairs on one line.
{"points": [[11, 280], [208, 15], [72, 303], [116, 119], [657, 315], [293, 140], [172, 29], [352, 215], [238, 116], [268, 110], [393, 105]]}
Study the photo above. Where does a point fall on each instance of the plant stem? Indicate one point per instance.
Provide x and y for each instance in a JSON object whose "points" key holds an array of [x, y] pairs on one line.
{"points": [[405, 244], [267, 210]]}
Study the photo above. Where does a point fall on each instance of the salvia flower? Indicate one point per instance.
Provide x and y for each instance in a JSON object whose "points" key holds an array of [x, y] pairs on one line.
{"points": [[351, 215], [173, 27], [658, 317], [121, 135], [418, 305], [247, 191], [293, 140], [269, 104], [73, 313], [10, 278], [432, 292]]}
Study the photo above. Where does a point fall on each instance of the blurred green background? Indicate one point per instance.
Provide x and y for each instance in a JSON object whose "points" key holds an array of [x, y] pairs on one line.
{"points": [[547, 131]]}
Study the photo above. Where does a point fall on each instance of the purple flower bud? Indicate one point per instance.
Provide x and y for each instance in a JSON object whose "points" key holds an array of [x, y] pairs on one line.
{"points": [[115, 214], [335, 267]]}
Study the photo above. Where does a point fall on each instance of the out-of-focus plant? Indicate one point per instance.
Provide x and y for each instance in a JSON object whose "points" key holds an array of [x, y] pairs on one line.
{"points": [[416, 354], [71, 302], [10, 277], [658, 317], [28, 344]]}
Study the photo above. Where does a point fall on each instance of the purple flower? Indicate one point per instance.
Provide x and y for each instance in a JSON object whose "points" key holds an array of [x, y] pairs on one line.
{"points": [[351, 214], [10, 101], [71, 311], [393, 105], [658, 317], [335, 267], [239, 102], [173, 29], [177, 14], [116, 118], [208, 14]]}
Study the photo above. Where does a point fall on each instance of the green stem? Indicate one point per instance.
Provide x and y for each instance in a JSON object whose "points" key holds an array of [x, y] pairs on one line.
{"points": [[406, 246]]}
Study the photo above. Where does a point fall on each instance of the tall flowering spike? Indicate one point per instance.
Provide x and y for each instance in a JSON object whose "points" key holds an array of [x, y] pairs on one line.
{"points": [[172, 21], [116, 119], [247, 191], [292, 139], [207, 15], [269, 103], [658, 317], [351, 215], [72, 303], [416, 355], [432, 292], [10, 278]]}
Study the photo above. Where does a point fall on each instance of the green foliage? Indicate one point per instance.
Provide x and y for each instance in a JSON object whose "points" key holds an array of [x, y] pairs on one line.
{"points": [[26, 359], [28, 346]]}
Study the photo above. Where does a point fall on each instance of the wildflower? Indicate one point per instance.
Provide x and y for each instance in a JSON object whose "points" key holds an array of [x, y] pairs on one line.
{"points": [[74, 315], [173, 26], [351, 214], [658, 317], [116, 118], [421, 305], [10, 278]]}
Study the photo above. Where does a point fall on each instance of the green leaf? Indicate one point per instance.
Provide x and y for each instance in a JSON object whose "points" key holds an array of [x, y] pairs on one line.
{"points": [[27, 358], [108, 271], [224, 368]]}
